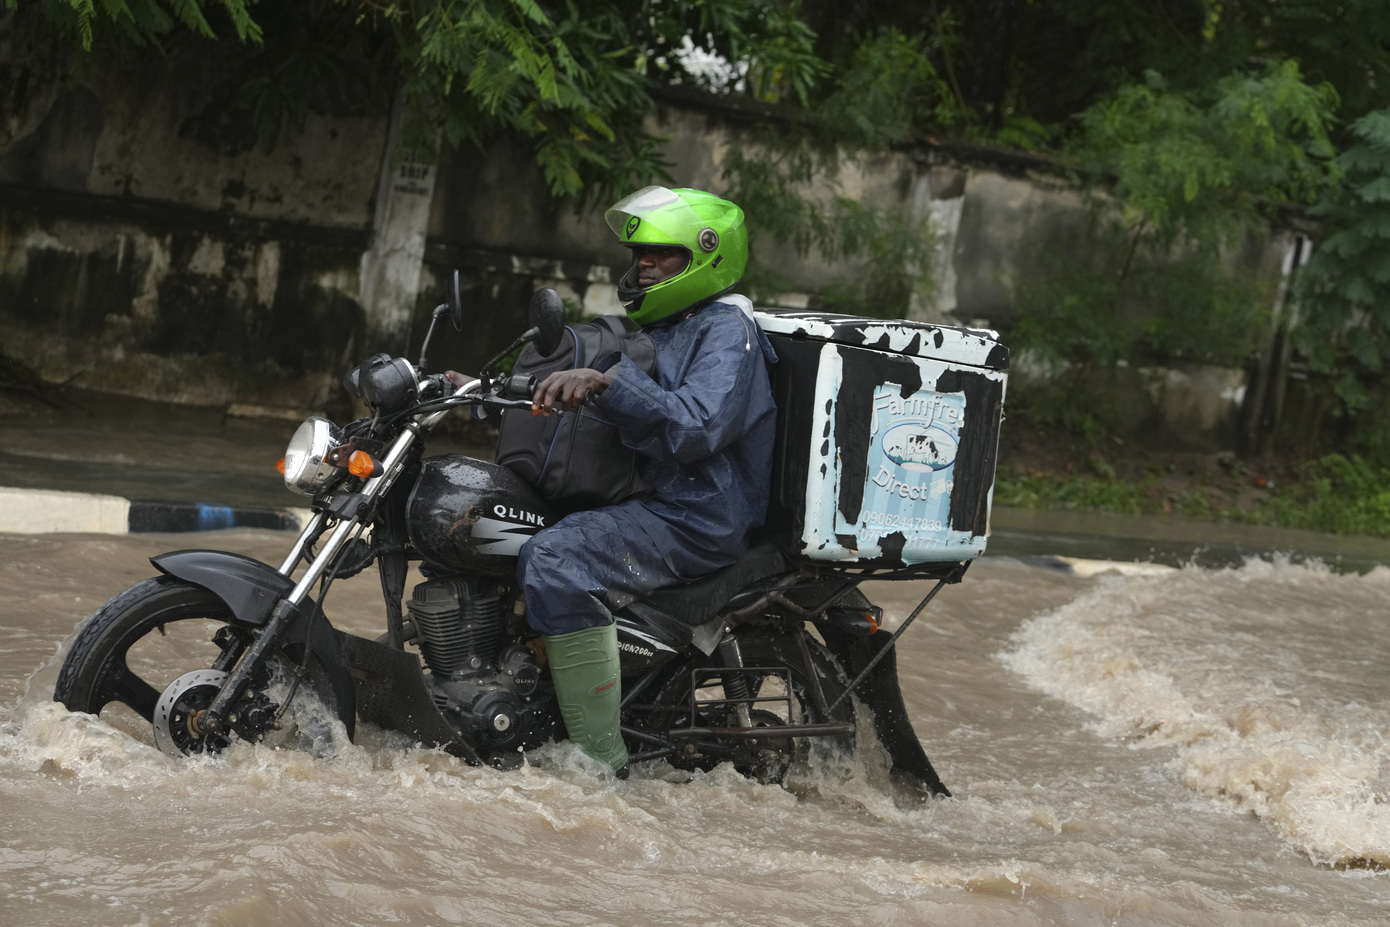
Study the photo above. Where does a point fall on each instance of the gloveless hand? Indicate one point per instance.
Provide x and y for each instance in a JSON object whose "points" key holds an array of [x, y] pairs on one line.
{"points": [[568, 389]]}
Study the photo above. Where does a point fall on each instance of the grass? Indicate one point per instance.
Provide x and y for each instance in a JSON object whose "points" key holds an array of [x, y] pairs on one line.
{"points": [[1340, 495], [1335, 494], [1087, 493]]}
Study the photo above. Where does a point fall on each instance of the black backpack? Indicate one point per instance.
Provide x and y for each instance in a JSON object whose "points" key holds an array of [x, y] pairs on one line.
{"points": [[575, 460]]}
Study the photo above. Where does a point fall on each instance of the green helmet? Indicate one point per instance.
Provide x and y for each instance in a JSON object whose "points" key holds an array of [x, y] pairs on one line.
{"points": [[709, 228]]}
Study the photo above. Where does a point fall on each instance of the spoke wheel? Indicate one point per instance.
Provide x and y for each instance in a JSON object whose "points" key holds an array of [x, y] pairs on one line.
{"points": [[137, 651]]}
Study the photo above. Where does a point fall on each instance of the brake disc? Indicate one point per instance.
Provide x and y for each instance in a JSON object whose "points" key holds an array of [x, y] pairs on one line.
{"points": [[176, 715]]}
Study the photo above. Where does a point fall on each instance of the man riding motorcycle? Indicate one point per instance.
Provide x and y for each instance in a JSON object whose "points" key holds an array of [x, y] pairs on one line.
{"points": [[783, 624], [704, 426]]}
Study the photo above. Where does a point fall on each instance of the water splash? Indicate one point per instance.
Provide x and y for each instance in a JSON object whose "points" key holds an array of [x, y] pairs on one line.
{"points": [[1262, 678]]}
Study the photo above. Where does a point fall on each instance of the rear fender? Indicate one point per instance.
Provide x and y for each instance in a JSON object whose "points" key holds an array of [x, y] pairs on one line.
{"points": [[251, 590], [882, 694]]}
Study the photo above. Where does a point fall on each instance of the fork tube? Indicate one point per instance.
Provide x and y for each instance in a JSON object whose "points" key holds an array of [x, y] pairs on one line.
{"points": [[217, 714], [373, 490]]}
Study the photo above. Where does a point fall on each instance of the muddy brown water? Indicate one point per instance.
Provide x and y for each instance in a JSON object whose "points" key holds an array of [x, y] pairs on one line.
{"points": [[1193, 746]]}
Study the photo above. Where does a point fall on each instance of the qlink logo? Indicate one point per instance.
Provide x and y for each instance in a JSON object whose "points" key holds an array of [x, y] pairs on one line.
{"points": [[919, 446], [500, 538]]}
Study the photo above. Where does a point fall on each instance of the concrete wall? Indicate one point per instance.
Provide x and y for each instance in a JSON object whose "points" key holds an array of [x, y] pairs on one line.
{"points": [[141, 251], [147, 248]]}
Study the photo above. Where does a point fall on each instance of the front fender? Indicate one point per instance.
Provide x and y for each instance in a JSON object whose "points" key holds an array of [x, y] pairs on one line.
{"points": [[251, 590]]}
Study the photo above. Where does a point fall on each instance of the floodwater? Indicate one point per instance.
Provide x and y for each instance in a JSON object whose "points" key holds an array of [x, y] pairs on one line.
{"points": [[1190, 746]]}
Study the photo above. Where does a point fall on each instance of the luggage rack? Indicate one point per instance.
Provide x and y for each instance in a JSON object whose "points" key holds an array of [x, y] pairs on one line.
{"points": [[704, 677], [707, 738]]}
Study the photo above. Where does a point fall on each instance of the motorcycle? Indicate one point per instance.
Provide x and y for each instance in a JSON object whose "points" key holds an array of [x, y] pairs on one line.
{"points": [[751, 666]]}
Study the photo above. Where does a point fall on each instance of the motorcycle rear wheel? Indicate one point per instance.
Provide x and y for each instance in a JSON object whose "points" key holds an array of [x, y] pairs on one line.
{"points": [[771, 758], [143, 640]]}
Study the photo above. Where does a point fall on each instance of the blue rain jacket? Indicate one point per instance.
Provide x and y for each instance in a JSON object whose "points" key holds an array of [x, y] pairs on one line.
{"points": [[705, 426]]}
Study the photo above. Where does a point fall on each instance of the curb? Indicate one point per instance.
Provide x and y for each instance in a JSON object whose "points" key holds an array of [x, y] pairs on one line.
{"points": [[45, 511]]}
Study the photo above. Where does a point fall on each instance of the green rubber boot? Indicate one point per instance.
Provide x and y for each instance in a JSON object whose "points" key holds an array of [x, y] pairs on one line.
{"points": [[584, 668]]}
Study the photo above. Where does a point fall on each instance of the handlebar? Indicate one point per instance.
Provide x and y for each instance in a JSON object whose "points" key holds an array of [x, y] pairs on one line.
{"points": [[512, 392], [519, 386]]}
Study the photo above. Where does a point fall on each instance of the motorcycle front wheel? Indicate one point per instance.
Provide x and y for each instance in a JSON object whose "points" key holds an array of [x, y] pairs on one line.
{"points": [[780, 692], [160, 649]]}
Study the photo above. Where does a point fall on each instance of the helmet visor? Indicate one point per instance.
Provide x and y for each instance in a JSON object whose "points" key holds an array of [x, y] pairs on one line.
{"points": [[659, 207]]}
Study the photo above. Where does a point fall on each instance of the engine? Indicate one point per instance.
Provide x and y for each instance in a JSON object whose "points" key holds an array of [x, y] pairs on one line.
{"points": [[484, 681]]}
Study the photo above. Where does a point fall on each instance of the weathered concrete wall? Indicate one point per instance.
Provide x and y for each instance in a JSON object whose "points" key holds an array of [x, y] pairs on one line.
{"points": [[182, 314], [1001, 221], [147, 133], [146, 247]]}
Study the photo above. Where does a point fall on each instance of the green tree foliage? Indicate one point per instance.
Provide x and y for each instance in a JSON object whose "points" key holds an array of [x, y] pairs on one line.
{"points": [[575, 79], [1202, 164], [1345, 287], [1192, 174], [140, 21], [1069, 53], [571, 79], [888, 92], [477, 69]]}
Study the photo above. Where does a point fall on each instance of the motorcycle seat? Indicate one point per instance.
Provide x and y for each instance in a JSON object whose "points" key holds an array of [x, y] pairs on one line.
{"points": [[695, 603]]}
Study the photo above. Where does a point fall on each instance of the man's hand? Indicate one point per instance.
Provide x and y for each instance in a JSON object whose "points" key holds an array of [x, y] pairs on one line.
{"points": [[568, 389], [457, 379]]}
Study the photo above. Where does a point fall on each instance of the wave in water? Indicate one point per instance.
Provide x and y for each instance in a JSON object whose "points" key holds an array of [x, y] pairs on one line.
{"points": [[1267, 679]]}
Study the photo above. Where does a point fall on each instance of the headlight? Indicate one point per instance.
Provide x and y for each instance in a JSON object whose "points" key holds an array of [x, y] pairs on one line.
{"points": [[306, 471]]}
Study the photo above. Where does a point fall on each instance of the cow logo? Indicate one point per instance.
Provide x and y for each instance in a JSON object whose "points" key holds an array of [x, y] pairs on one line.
{"points": [[632, 224], [918, 446]]}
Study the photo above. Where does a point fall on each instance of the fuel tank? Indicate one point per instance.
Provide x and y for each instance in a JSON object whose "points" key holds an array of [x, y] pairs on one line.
{"points": [[473, 516]]}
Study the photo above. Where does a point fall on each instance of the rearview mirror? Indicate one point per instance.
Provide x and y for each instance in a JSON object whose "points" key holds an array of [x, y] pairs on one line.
{"points": [[547, 315], [455, 302]]}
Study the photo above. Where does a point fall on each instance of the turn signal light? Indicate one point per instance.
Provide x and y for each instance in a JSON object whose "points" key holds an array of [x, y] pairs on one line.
{"points": [[280, 465], [860, 622], [362, 464], [872, 621]]}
